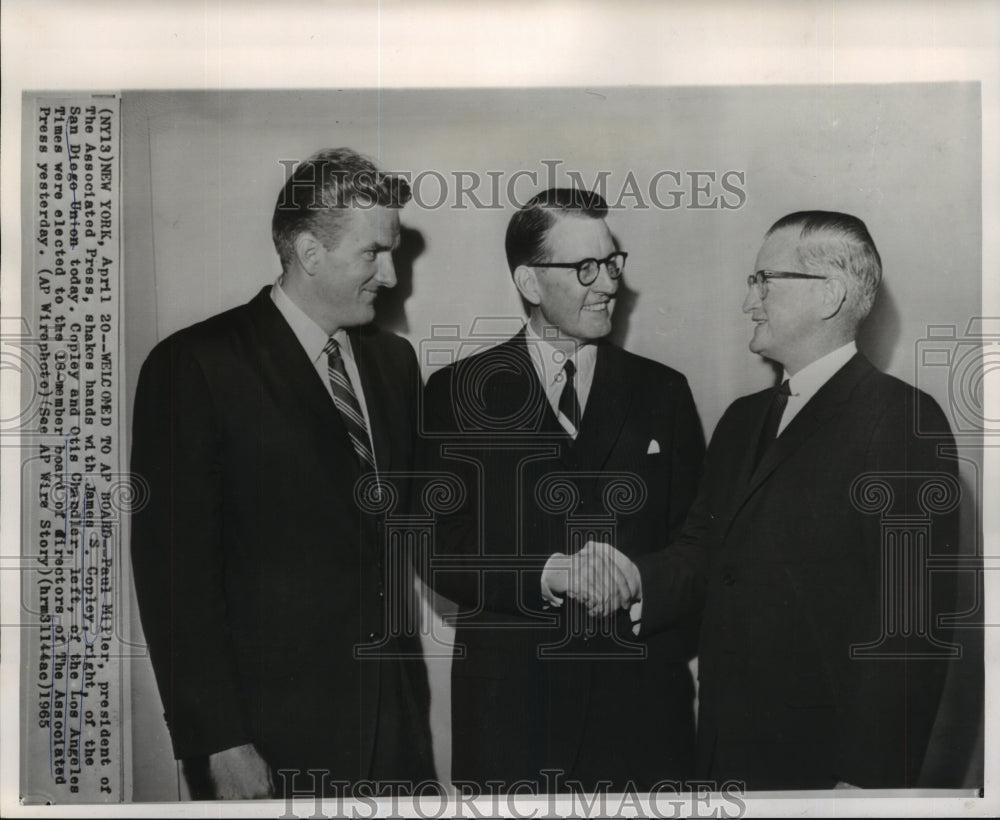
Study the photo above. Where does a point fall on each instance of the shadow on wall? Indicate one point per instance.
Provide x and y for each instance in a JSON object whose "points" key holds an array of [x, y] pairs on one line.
{"points": [[956, 752], [390, 309], [879, 333], [625, 300]]}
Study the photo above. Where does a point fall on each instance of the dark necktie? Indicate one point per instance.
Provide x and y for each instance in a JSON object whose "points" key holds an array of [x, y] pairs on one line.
{"points": [[347, 403], [569, 404], [770, 431]]}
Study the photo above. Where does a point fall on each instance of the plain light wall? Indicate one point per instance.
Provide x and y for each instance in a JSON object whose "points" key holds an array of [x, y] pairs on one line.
{"points": [[202, 173]]}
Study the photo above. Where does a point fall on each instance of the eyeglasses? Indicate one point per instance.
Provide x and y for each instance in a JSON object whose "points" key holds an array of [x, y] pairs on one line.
{"points": [[761, 278], [587, 270]]}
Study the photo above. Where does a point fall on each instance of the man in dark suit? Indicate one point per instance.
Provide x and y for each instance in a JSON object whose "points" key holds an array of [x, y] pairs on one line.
{"points": [[560, 440], [260, 577], [820, 663]]}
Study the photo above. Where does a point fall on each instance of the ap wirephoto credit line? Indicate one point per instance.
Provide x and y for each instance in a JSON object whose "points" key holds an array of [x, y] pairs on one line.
{"points": [[74, 472]]}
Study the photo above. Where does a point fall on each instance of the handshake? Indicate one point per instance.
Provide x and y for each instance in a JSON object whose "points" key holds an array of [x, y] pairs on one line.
{"points": [[599, 576]]}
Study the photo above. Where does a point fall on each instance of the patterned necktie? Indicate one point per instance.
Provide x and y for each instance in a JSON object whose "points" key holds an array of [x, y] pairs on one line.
{"points": [[347, 403], [770, 431], [569, 404]]}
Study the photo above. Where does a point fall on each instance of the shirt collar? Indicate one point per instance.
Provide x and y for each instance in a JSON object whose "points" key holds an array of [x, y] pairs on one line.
{"points": [[812, 377], [549, 355], [310, 335]]}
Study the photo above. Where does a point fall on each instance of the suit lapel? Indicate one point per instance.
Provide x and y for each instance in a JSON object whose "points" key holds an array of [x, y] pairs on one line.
{"points": [[611, 394], [828, 403], [520, 393], [286, 366]]}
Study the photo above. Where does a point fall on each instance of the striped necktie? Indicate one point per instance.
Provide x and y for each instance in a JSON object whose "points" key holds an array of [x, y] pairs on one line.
{"points": [[347, 403]]}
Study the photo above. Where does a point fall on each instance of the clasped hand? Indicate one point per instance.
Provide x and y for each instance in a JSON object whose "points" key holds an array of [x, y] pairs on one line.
{"points": [[599, 576]]}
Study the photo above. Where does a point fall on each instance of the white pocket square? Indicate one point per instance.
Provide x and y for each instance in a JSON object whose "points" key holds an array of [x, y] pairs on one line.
{"points": [[654, 447]]}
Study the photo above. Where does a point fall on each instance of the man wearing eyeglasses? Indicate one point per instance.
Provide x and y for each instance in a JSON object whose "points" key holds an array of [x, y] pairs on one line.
{"points": [[575, 457], [820, 662]]}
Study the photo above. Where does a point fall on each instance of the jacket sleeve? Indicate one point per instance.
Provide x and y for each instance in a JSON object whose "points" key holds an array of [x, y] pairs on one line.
{"points": [[465, 571], [458, 576], [674, 577], [688, 457], [177, 553]]}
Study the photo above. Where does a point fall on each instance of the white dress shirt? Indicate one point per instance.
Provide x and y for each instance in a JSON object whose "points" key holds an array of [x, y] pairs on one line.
{"points": [[313, 339], [805, 384], [549, 358]]}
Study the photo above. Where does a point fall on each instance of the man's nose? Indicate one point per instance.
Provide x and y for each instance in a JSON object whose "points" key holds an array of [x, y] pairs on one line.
{"points": [[604, 283], [386, 276], [752, 300]]}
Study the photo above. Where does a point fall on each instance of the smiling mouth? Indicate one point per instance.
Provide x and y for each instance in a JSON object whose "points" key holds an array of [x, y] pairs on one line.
{"points": [[596, 307]]}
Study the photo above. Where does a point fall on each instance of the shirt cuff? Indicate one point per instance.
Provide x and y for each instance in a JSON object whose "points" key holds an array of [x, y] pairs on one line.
{"points": [[557, 563], [635, 615]]}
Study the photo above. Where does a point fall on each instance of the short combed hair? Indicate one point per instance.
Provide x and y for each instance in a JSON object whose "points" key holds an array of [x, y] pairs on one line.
{"points": [[317, 192], [528, 228], [840, 241]]}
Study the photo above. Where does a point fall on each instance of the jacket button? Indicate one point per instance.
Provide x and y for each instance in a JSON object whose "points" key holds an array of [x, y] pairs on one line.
{"points": [[729, 579]]}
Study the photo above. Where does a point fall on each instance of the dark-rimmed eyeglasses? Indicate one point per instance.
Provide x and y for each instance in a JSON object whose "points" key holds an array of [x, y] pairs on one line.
{"points": [[587, 270], [760, 279]]}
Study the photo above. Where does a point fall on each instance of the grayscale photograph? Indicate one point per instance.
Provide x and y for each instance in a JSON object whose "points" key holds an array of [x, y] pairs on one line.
{"points": [[585, 450]]}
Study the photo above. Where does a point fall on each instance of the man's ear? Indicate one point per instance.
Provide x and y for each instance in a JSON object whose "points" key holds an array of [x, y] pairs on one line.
{"points": [[834, 296], [526, 280], [307, 250]]}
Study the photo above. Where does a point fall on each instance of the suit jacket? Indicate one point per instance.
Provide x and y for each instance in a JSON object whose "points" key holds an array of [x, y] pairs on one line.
{"points": [[803, 562], [535, 687], [256, 571]]}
